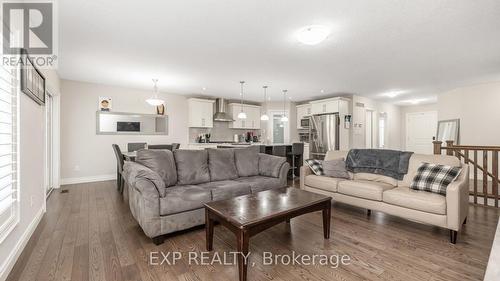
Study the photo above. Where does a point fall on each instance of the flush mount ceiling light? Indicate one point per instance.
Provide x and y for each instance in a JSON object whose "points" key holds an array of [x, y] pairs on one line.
{"points": [[264, 116], [154, 100], [313, 34], [241, 115], [392, 94], [415, 101]]}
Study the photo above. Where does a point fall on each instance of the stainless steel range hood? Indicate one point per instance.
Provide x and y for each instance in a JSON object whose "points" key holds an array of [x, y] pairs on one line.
{"points": [[221, 113]]}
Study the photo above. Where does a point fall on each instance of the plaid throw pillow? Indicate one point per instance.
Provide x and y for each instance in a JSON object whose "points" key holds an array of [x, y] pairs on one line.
{"points": [[316, 166], [434, 177]]}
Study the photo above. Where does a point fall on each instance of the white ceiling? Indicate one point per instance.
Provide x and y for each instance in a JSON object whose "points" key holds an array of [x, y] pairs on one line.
{"points": [[422, 47]]}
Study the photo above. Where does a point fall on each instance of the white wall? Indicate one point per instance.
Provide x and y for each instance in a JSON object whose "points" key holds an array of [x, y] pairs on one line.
{"points": [[478, 108], [86, 156], [32, 165], [291, 110], [393, 126]]}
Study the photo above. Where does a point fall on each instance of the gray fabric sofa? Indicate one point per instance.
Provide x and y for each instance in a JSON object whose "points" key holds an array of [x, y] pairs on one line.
{"points": [[167, 190]]}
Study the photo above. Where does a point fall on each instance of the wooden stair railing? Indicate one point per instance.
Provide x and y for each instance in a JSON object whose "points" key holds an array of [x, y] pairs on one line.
{"points": [[489, 175]]}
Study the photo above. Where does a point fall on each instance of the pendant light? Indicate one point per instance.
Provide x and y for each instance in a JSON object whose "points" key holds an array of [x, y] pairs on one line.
{"points": [[155, 100], [264, 116], [284, 118], [241, 115]]}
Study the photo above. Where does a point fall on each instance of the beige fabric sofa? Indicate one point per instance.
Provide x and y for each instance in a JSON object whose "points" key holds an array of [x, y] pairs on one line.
{"points": [[380, 193]]}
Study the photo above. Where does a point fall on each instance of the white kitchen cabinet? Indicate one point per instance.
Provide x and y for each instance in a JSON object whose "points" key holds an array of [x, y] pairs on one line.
{"points": [[303, 110], [306, 156], [325, 106], [201, 112], [253, 116]]}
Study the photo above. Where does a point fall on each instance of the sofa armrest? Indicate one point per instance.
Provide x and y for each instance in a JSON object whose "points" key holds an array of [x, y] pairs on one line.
{"points": [[457, 200], [271, 165], [144, 180], [146, 188], [283, 176], [304, 172]]}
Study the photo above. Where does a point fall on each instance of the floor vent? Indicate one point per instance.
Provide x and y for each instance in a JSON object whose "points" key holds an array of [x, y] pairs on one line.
{"points": [[64, 191]]}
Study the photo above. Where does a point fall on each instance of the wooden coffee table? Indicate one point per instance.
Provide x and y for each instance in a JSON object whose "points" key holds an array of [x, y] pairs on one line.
{"points": [[248, 215]]}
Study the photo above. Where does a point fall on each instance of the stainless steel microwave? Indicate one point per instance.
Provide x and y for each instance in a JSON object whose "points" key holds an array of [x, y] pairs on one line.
{"points": [[304, 122]]}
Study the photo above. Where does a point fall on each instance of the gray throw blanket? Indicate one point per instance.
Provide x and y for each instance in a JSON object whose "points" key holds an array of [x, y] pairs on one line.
{"points": [[391, 163]]}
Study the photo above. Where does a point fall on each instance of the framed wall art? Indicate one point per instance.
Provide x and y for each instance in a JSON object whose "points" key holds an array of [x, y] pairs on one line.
{"points": [[105, 104], [32, 80]]}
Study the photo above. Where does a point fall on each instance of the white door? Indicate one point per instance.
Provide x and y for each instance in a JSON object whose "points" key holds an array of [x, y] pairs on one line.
{"points": [[420, 129], [369, 129]]}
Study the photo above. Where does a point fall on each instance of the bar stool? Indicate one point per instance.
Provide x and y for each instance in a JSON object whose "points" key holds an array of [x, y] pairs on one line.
{"points": [[297, 151]]}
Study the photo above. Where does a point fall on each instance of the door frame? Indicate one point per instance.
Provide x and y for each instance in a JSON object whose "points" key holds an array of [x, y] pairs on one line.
{"points": [[49, 148], [407, 127], [286, 131], [56, 133], [373, 129]]}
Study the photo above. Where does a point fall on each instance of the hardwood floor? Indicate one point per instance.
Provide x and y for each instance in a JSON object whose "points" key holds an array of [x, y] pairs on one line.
{"points": [[90, 234]]}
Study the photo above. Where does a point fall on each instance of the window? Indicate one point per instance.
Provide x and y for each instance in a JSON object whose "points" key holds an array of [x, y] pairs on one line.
{"points": [[9, 204]]}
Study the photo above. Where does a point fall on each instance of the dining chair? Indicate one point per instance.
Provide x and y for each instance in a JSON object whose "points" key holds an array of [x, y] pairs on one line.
{"points": [[120, 182], [134, 146], [297, 152], [160, 146]]}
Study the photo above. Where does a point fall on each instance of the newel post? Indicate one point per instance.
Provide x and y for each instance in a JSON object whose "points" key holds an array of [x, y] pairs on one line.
{"points": [[449, 144], [437, 147]]}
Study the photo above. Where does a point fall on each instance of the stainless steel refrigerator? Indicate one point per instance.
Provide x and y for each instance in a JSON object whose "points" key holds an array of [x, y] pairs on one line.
{"points": [[323, 134]]}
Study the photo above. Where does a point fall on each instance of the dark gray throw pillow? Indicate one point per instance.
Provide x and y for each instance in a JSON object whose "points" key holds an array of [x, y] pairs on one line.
{"points": [[335, 168], [192, 166], [221, 164], [270, 165], [247, 162], [160, 161]]}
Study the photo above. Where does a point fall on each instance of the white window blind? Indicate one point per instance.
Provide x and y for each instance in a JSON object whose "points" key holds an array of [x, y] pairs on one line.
{"points": [[9, 199]]}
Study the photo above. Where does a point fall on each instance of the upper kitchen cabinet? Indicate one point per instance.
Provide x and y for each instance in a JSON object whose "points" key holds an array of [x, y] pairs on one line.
{"points": [[201, 112], [253, 116], [329, 105], [303, 110]]}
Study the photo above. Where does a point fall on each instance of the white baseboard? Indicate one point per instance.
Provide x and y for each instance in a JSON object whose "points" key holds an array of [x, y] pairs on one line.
{"points": [[11, 259], [88, 179]]}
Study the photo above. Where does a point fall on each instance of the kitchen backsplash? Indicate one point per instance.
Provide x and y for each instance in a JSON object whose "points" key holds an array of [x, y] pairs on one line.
{"points": [[220, 132]]}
